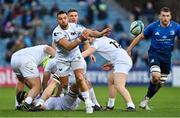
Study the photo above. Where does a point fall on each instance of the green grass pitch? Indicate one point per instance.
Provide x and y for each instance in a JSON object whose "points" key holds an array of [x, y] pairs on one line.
{"points": [[166, 103]]}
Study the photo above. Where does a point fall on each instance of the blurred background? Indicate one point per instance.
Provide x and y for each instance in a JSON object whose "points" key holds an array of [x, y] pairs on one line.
{"points": [[25, 23]]}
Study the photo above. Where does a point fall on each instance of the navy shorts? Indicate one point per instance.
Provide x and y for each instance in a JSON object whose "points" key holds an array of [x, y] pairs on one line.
{"points": [[163, 61]]}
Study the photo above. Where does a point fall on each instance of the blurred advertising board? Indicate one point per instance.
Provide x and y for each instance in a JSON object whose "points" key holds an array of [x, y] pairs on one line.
{"points": [[98, 77]]}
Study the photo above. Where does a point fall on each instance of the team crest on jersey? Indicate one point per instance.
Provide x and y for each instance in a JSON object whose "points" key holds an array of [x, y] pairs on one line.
{"points": [[152, 61], [157, 33], [73, 33], [172, 32], [56, 33]]}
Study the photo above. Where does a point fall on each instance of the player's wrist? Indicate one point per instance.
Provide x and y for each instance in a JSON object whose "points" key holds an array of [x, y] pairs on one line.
{"points": [[78, 40], [82, 39]]}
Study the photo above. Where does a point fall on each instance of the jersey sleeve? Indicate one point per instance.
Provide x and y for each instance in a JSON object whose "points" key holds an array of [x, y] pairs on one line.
{"points": [[57, 35], [148, 31], [95, 44]]}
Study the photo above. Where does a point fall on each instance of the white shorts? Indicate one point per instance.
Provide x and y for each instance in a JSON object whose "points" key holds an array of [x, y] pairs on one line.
{"points": [[64, 68], [24, 67], [123, 65]]}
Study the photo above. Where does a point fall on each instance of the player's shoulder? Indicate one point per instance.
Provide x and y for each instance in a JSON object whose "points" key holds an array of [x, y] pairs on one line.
{"points": [[173, 24], [57, 29], [77, 25], [155, 23]]}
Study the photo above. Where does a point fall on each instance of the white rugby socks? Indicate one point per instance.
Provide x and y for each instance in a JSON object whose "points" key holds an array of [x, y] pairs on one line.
{"points": [[93, 97], [130, 104], [111, 102], [40, 102], [28, 100]]}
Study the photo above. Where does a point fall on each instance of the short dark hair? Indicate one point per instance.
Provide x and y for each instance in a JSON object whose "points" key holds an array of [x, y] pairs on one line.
{"points": [[72, 10], [165, 9], [61, 12]]}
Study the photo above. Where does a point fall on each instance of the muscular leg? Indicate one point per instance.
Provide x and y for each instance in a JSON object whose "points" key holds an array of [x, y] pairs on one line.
{"points": [[35, 85], [19, 88], [92, 93], [111, 92], [119, 82], [154, 85], [47, 92], [81, 82]]}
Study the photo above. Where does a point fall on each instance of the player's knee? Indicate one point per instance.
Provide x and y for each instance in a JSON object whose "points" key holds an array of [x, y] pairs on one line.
{"points": [[119, 86], [80, 78], [155, 77], [155, 73]]}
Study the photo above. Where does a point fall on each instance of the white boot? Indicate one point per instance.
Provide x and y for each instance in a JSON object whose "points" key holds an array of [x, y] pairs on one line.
{"points": [[144, 104]]}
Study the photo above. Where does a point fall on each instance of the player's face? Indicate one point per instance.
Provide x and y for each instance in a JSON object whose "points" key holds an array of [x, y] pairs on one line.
{"points": [[165, 18], [73, 17], [63, 20]]}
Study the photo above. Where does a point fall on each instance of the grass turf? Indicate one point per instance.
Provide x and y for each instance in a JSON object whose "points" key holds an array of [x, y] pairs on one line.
{"points": [[166, 103]]}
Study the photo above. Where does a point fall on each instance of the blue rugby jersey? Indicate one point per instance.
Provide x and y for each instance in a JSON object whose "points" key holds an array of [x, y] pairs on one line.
{"points": [[162, 38]]}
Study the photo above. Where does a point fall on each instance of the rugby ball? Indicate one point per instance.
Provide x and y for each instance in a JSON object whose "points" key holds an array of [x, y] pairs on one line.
{"points": [[136, 27]]}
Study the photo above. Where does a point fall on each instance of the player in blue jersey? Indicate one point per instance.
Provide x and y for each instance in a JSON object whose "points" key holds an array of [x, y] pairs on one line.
{"points": [[162, 34]]}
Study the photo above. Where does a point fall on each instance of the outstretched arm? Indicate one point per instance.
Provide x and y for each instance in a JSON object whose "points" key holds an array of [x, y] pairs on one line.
{"points": [[71, 45], [88, 52], [135, 42], [97, 34], [86, 45]]}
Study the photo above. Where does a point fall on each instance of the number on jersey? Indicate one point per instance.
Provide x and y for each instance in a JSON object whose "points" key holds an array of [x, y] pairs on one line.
{"points": [[115, 43]]}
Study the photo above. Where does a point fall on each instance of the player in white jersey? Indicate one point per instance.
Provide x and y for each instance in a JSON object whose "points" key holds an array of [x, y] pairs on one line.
{"points": [[54, 88], [67, 37], [73, 18], [122, 63], [68, 102], [25, 64]]}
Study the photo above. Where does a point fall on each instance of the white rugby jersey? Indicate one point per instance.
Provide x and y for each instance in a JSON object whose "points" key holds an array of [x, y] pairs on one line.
{"points": [[35, 53], [73, 32], [110, 50], [62, 103]]}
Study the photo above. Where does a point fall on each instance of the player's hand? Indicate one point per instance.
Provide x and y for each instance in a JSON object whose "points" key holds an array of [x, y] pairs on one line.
{"points": [[106, 31], [84, 35], [107, 66], [93, 58]]}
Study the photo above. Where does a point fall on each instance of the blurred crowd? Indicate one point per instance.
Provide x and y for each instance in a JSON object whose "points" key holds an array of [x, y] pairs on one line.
{"points": [[22, 24]]}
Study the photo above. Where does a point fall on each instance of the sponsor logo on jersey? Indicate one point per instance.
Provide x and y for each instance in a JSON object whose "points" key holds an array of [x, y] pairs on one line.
{"points": [[152, 61], [56, 33], [73, 33], [157, 33], [172, 32], [164, 37]]}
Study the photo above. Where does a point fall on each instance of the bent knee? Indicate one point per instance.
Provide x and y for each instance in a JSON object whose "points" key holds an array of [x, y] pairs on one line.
{"points": [[156, 77], [80, 78]]}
